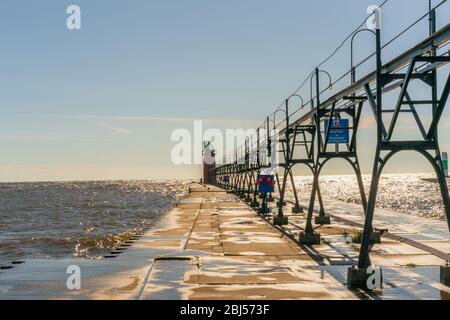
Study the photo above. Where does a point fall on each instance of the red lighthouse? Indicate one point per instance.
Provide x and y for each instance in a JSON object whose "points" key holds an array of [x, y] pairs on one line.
{"points": [[209, 163]]}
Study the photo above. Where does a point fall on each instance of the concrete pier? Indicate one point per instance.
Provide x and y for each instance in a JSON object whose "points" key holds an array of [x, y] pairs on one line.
{"points": [[214, 246]]}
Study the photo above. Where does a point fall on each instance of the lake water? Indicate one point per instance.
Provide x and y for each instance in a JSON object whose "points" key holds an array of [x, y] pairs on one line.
{"points": [[82, 219]]}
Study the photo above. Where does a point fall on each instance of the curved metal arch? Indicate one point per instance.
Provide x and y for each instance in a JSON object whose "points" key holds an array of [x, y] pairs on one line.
{"points": [[244, 183], [251, 179], [432, 160], [357, 172], [364, 258], [250, 185], [316, 189], [255, 174], [289, 172], [306, 164], [392, 153]]}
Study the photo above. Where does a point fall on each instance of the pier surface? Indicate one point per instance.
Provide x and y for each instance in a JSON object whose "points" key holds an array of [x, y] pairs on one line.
{"points": [[213, 246]]}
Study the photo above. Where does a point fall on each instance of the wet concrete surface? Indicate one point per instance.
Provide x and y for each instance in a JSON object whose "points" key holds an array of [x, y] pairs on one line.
{"points": [[213, 246]]}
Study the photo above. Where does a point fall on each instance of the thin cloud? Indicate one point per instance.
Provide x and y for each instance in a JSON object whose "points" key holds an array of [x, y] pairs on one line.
{"points": [[116, 130], [145, 118], [45, 138]]}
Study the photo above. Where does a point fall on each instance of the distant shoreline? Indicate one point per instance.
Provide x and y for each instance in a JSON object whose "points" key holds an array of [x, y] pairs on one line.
{"points": [[191, 179]]}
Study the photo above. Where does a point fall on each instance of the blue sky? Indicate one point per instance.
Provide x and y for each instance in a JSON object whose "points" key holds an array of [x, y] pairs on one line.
{"points": [[101, 102]]}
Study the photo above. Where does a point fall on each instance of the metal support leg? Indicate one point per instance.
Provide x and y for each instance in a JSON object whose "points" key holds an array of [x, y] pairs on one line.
{"points": [[309, 237], [359, 179], [364, 258], [297, 208], [255, 202], [277, 176], [264, 210], [249, 187], [244, 183], [241, 185], [280, 219], [375, 235], [312, 200], [356, 277], [322, 218]]}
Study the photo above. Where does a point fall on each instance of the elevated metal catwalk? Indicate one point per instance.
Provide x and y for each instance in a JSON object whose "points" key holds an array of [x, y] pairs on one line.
{"points": [[305, 140]]}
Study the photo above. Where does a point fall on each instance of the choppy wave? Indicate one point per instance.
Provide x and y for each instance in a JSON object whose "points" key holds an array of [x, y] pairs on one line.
{"points": [[407, 193], [82, 219]]}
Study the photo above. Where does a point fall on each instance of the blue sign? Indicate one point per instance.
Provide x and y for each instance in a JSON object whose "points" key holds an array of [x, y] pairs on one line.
{"points": [[339, 133], [266, 183]]}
